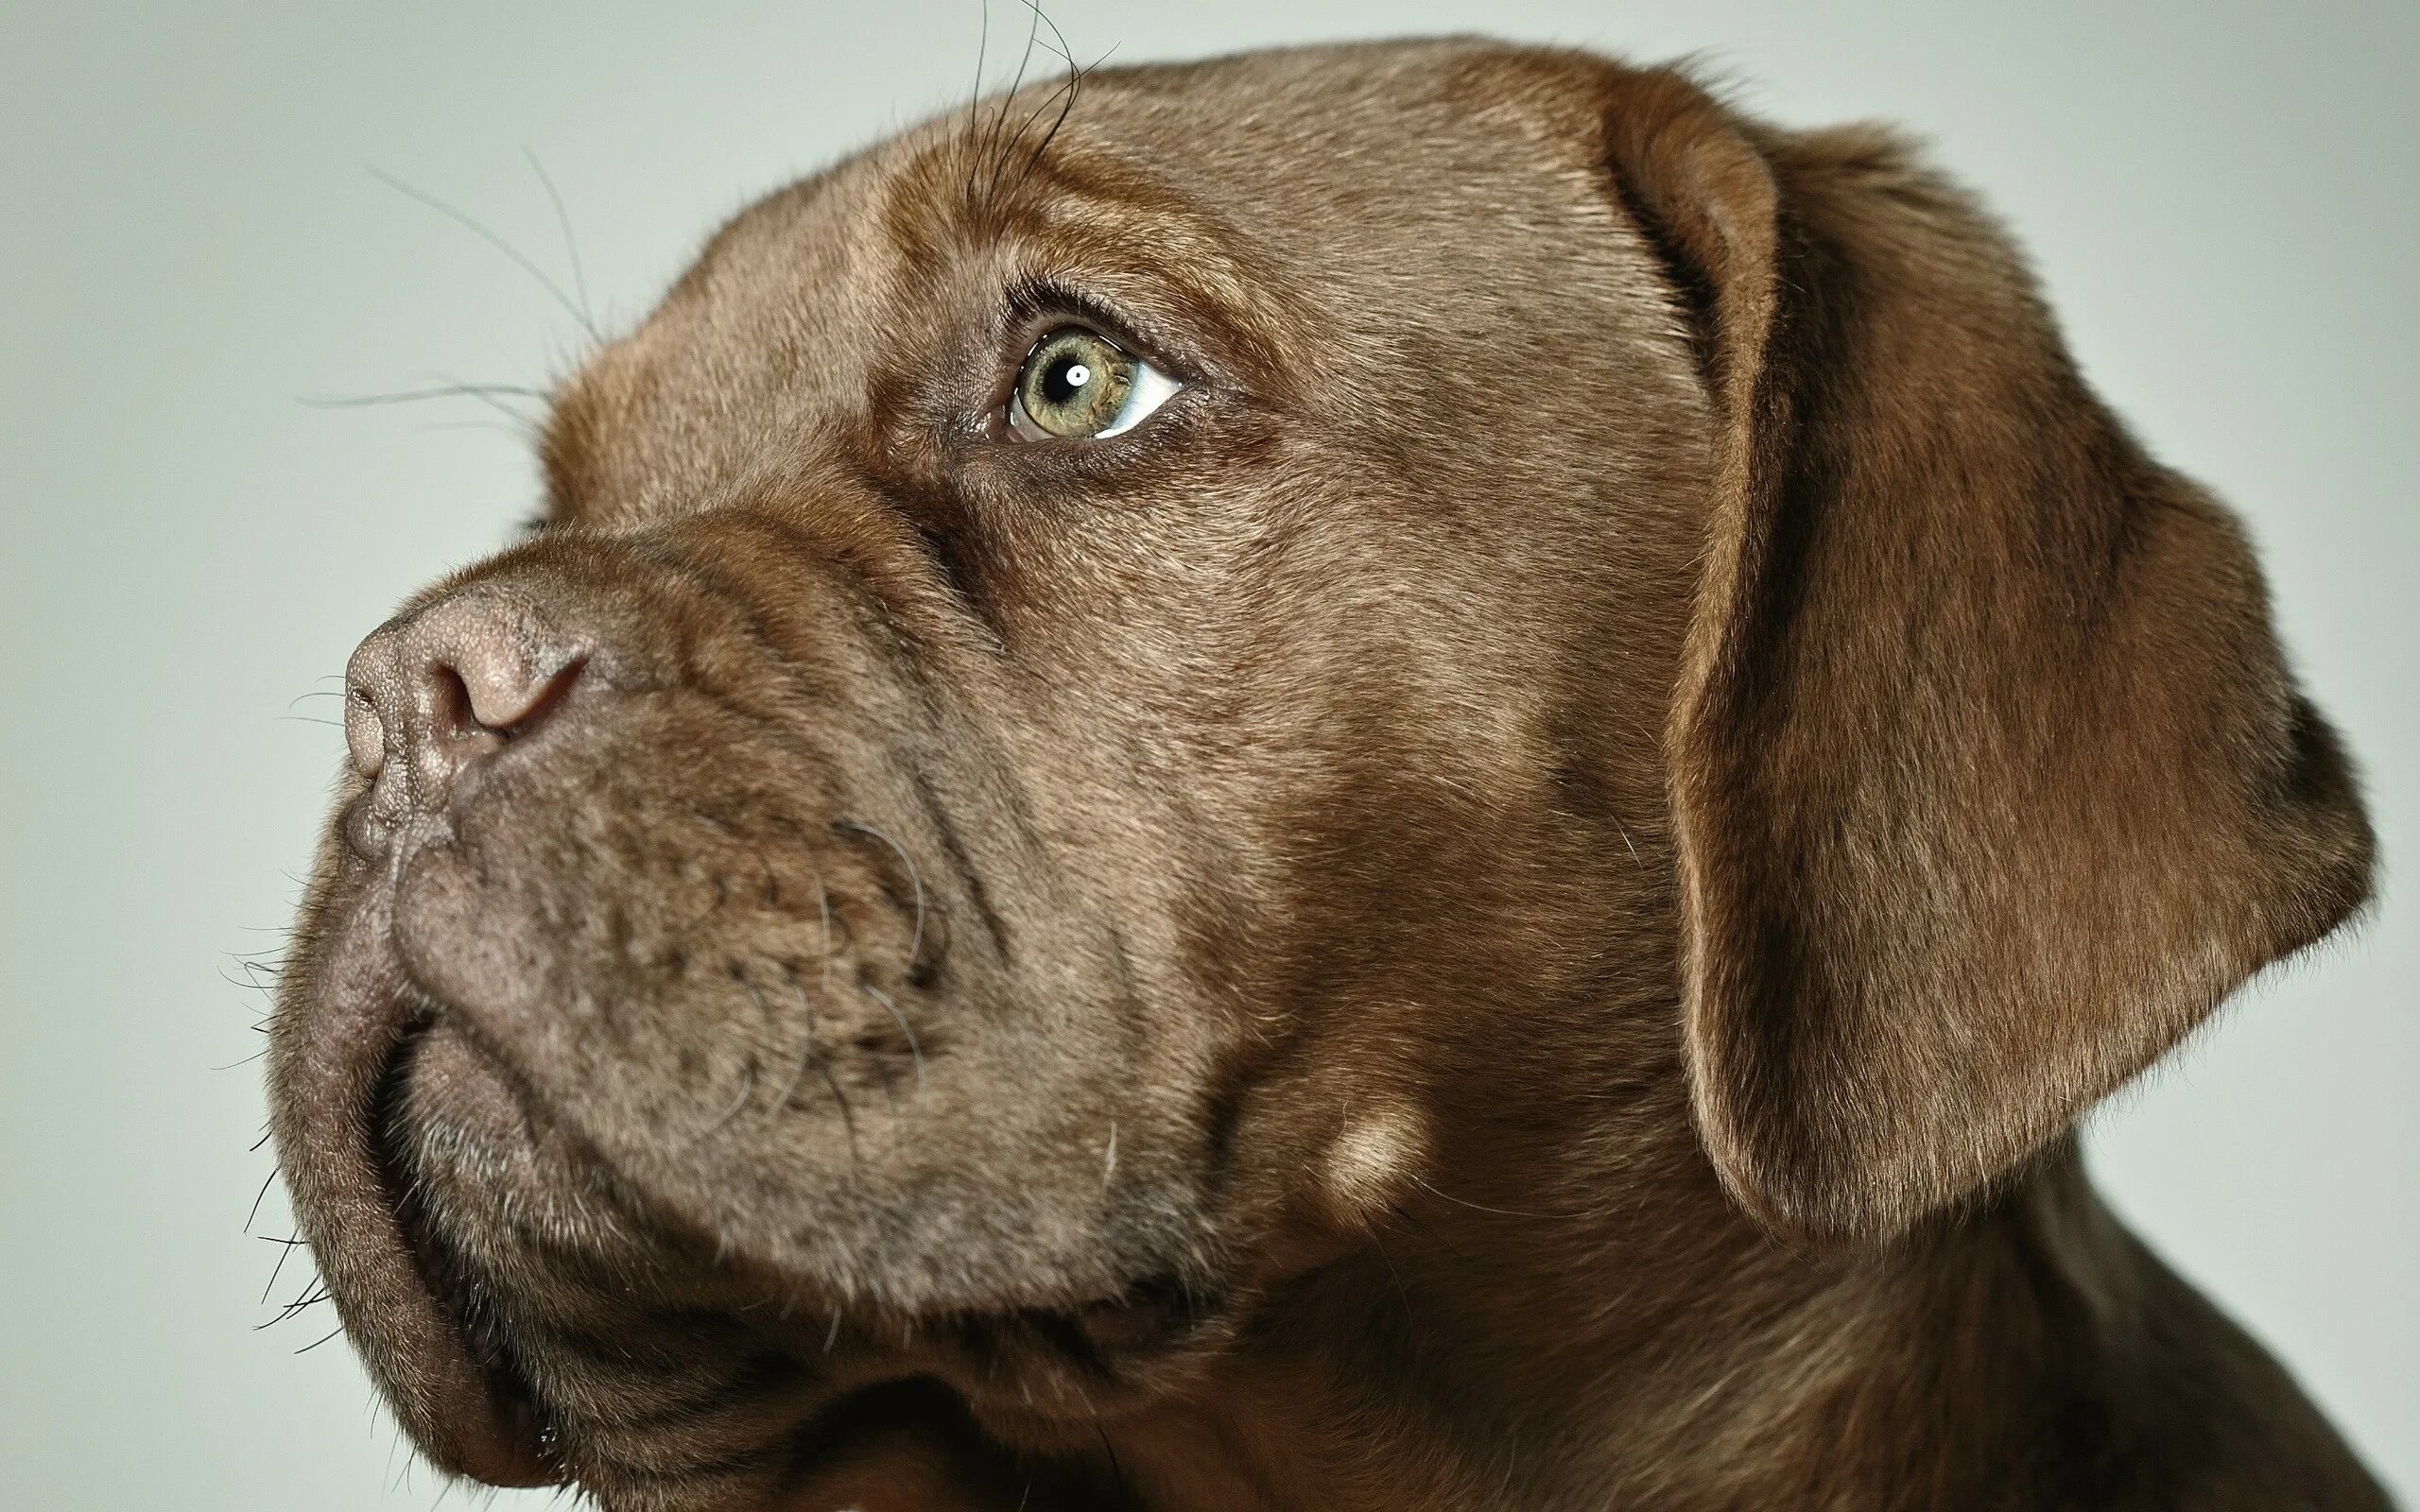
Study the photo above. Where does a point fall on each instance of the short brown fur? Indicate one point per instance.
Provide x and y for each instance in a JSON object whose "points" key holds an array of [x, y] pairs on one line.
{"points": [[1510, 904]]}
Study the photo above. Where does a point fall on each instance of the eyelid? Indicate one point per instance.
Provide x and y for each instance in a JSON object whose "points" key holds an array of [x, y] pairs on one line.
{"points": [[1039, 305]]}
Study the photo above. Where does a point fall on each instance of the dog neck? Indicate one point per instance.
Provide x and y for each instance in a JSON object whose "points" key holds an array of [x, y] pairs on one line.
{"points": [[1664, 1352]]}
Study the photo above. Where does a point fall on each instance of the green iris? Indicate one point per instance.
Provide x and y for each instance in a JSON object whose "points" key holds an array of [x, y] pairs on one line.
{"points": [[1075, 383]]}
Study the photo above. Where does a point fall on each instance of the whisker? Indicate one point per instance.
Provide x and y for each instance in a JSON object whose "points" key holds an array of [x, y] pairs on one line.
{"points": [[1396, 1211], [312, 1297], [1002, 142], [571, 243], [915, 880], [1067, 95], [253, 986], [806, 1007], [848, 1114], [746, 1090], [982, 47], [747, 1071], [492, 395], [421, 396], [1116, 1472], [992, 138], [1064, 97], [522, 430], [290, 1246], [322, 1339], [496, 241], [1501, 1213], [913, 1048], [1627, 845], [1402, 1294], [260, 1196]]}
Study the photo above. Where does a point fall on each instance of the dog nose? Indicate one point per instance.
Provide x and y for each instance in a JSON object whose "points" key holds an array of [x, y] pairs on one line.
{"points": [[431, 694]]}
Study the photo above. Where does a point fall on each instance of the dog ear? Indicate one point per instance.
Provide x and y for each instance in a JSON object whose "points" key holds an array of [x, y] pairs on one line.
{"points": [[1988, 778]]}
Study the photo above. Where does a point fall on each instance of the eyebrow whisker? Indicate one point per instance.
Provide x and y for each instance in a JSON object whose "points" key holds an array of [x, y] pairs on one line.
{"points": [[519, 258], [991, 149], [982, 50], [571, 243], [1057, 48], [1070, 92]]}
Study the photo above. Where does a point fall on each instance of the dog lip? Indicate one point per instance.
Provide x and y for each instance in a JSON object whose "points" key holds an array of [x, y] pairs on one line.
{"points": [[511, 1398], [333, 1047]]}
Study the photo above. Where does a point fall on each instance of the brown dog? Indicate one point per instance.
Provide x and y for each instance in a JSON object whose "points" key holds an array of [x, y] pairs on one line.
{"points": [[1393, 777]]}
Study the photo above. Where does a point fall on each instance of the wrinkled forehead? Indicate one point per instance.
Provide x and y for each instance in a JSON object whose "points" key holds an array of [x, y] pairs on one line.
{"points": [[1284, 197]]}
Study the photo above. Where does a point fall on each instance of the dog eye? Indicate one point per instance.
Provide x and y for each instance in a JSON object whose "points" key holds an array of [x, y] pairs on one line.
{"points": [[1078, 384]]}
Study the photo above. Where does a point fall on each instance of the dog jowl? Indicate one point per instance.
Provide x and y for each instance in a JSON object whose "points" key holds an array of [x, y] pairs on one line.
{"points": [[1404, 776]]}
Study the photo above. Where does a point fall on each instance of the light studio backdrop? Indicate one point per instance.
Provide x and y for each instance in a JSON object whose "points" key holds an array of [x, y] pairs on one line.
{"points": [[2223, 199]]}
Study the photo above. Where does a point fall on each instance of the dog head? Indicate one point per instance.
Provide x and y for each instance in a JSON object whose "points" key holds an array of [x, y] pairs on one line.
{"points": [[1115, 686]]}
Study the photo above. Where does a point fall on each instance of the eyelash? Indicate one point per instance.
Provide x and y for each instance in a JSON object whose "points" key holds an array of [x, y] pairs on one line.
{"points": [[1033, 307], [1031, 310]]}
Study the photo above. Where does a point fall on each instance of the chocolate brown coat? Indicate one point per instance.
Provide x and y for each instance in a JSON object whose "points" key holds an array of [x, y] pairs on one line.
{"points": [[1509, 904]]}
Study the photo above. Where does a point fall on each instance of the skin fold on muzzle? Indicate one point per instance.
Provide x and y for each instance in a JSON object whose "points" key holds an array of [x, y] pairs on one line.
{"points": [[592, 1030], [1410, 776]]}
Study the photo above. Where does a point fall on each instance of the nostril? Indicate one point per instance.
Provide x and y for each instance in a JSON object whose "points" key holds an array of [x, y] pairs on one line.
{"points": [[453, 712], [431, 694], [365, 733], [498, 691]]}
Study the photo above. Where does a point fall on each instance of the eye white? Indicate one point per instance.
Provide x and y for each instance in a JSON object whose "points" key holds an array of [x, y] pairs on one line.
{"points": [[1151, 390]]}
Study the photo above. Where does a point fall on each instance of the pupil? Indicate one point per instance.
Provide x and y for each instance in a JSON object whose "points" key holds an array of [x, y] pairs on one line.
{"points": [[1065, 380]]}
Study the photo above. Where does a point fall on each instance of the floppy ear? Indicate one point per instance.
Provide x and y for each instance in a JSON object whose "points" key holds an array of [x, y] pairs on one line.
{"points": [[1987, 776]]}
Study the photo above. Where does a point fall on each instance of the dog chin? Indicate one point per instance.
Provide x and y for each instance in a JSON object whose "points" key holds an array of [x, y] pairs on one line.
{"points": [[567, 1333]]}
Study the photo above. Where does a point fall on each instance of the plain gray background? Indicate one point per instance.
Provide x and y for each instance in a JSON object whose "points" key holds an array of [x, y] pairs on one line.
{"points": [[2223, 199]]}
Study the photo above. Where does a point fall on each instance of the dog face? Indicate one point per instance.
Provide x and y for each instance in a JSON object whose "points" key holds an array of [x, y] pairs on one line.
{"points": [[1107, 692]]}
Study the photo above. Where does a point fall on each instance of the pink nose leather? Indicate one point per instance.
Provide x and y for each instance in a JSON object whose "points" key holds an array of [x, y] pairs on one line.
{"points": [[427, 696]]}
